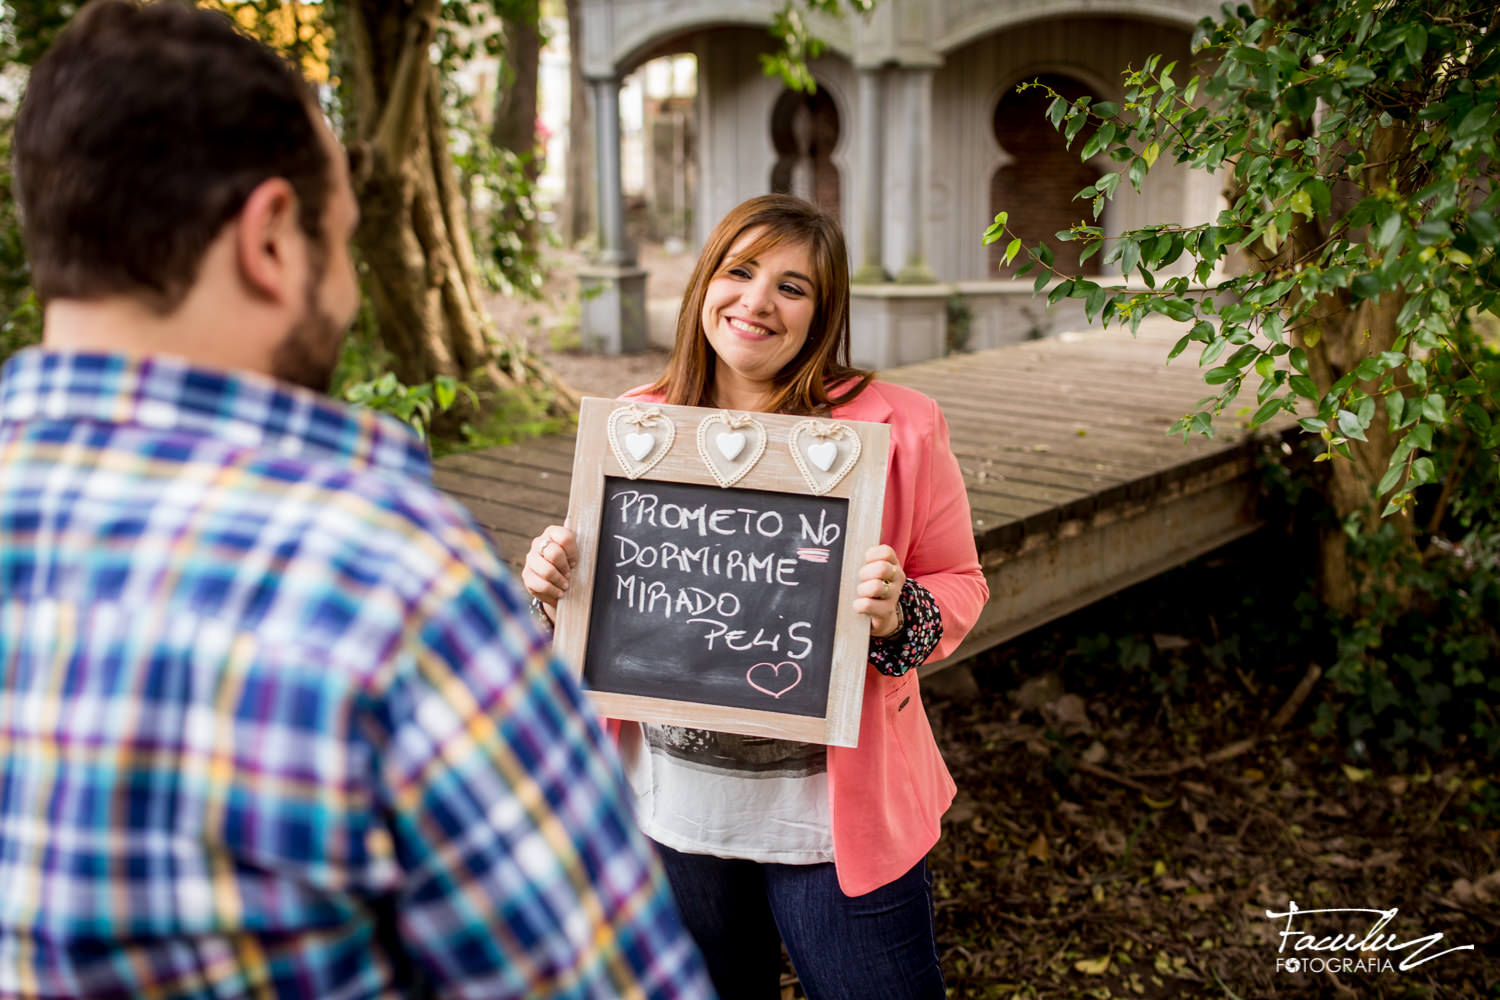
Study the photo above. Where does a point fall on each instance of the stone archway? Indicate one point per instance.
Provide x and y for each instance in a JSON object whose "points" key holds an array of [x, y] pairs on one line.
{"points": [[1038, 183], [805, 132]]}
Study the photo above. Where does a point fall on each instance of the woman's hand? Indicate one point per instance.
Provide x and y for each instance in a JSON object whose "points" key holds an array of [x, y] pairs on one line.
{"points": [[549, 563], [879, 590]]}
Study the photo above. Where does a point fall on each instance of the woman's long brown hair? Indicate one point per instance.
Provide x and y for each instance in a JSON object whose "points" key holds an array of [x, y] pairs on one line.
{"points": [[802, 386]]}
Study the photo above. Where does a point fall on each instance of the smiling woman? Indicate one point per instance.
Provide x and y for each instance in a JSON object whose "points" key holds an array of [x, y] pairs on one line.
{"points": [[766, 840]]}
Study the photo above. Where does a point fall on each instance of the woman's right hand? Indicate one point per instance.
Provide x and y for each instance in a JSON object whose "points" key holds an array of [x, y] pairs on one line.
{"points": [[549, 564]]}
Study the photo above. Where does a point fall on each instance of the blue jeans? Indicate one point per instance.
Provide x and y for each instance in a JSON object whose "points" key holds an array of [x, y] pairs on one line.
{"points": [[882, 944]]}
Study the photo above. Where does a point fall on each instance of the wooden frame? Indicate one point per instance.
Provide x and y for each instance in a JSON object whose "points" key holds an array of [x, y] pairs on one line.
{"points": [[600, 456]]}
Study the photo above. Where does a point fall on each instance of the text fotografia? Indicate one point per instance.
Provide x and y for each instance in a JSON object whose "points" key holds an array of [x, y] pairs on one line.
{"points": [[1354, 951]]}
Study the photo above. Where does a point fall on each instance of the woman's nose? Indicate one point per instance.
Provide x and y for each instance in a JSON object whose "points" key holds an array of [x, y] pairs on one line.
{"points": [[756, 296]]}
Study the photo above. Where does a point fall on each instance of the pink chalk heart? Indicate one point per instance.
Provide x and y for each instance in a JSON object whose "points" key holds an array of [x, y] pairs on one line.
{"points": [[779, 683]]}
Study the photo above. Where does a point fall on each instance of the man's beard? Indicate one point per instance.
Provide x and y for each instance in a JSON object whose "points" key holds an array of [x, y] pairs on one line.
{"points": [[309, 352]]}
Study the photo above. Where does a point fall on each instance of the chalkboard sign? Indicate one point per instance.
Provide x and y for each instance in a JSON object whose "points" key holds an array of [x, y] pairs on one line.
{"points": [[719, 555]]}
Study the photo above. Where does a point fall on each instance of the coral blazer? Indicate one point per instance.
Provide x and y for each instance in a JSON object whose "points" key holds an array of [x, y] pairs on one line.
{"points": [[888, 794]]}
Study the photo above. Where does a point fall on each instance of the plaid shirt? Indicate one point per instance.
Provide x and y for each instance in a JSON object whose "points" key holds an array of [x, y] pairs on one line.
{"points": [[272, 722]]}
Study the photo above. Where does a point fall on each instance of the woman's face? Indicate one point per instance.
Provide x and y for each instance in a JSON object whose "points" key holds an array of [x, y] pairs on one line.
{"points": [[756, 315]]}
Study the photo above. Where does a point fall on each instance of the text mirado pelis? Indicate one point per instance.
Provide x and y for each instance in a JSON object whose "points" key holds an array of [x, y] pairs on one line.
{"points": [[719, 544]]}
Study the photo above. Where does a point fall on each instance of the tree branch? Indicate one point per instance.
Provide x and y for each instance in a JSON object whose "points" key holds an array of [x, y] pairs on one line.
{"points": [[397, 131]]}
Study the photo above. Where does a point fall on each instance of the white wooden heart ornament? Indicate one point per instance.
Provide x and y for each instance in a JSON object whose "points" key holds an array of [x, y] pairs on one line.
{"points": [[640, 437], [639, 444], [824, 452], [730, 444]]}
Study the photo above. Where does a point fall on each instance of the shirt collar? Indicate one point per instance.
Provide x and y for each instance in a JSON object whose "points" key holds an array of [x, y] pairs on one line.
{"points": [[242, 408]]}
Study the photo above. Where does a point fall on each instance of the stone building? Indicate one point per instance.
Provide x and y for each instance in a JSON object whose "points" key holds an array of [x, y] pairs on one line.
{"points": [[915, 138]]}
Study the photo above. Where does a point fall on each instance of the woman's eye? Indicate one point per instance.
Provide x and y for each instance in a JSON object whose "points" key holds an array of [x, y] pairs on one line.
{"points": [[740, 271], [793, 290]]}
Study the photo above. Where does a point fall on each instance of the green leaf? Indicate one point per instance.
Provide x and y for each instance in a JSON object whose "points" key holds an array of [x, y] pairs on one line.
{"points": [[1150, 153], [1433, 409], [1220, 375], [1096, 142], [1272, 327], [1395, 405], [1011, 251], [1056, 109], [1392, 476], [1304, 387], [1266, 412], [1365, 286], [1423, 471], [1298, 359], [1076, 121], [445, 391], [1385, 233], [1349, 425], [1313, 425], [1434, 231], [1301, 203], [1416, 43], [1322, 199], [1095, 301]]}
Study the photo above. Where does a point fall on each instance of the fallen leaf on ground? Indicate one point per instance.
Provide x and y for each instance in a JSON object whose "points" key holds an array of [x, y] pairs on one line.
{"points": [[1092, 966]]}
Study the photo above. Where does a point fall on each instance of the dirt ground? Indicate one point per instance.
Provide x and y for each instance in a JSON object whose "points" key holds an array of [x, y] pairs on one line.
{"points": [[1116, 837], [1135, 799]]}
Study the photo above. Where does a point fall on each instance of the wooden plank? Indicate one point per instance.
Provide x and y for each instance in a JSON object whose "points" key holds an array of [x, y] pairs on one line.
{"points": [[1045, 582]]}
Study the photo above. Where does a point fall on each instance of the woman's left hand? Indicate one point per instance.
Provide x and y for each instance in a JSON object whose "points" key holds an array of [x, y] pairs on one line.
{"points": [[879, 590]]}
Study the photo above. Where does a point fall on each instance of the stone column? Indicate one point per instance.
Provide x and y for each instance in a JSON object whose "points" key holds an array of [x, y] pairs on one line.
{"points": [[612, 286], [613, 246], [914, 139], [870, 177]]}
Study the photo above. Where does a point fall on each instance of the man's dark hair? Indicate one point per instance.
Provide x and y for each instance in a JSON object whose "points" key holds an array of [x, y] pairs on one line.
{"points": [[142, 132]]}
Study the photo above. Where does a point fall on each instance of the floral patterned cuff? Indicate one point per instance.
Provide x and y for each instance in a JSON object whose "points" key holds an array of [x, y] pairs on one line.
{"points": [[922, 627]]}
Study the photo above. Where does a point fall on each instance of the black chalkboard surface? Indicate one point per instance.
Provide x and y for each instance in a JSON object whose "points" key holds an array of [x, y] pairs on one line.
{"points": [[724, 597]]}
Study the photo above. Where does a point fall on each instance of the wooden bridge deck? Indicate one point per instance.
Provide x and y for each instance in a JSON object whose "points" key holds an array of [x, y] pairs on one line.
{"points": [[1076, 490]]}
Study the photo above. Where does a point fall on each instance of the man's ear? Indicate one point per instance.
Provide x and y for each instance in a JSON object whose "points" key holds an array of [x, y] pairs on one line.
{"points": [[268, 244]]}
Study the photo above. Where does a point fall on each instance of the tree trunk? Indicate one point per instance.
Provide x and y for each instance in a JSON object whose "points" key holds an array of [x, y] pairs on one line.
{"points": [[579, 215], [1342, 335], [514, 127], [412, 234]]}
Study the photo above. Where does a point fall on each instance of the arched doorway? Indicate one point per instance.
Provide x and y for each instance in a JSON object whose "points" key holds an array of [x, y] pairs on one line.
{"points": [[804, 132], [1038, 184]]}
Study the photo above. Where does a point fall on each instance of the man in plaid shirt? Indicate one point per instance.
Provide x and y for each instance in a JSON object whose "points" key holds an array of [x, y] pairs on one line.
{"points": [[273, 722]]}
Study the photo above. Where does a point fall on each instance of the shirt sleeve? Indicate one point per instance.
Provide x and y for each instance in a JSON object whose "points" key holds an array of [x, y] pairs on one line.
{"points": [[921, 629], [522, 873]]}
